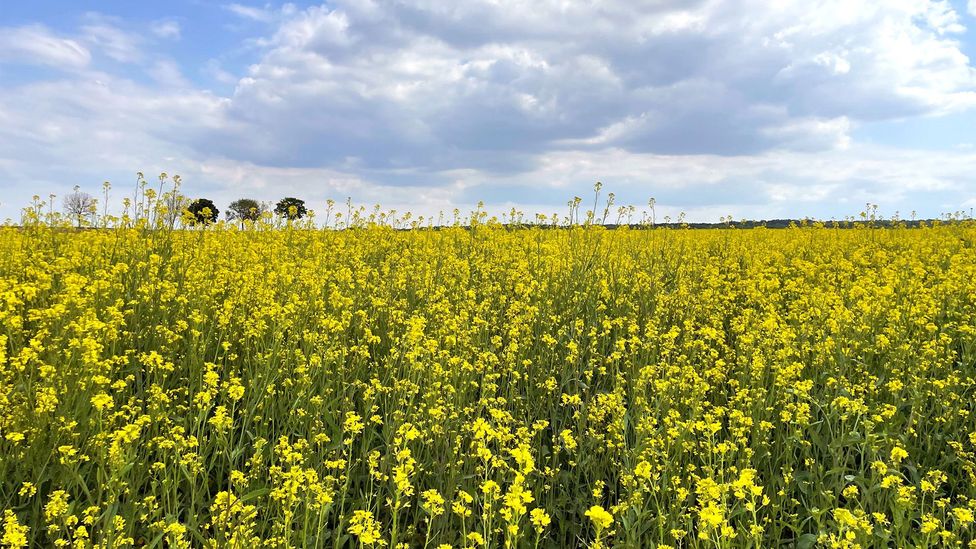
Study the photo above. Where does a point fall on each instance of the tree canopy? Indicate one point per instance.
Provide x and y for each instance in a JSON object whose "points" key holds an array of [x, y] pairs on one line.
{"points": [[79, 205], [291, 208], [204, 211], [245, 209]]}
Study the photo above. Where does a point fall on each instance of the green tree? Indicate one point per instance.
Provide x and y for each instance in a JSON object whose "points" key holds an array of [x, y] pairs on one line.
{"points": [[245, 209], [291, 208], [204, 211]]}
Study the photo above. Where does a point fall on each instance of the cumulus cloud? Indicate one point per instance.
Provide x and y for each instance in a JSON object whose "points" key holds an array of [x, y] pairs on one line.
{"points": [[712, 104], [436, 85]]}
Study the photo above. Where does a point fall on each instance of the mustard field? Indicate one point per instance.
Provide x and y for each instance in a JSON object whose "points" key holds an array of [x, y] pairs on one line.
{"points": [[488, 387]]}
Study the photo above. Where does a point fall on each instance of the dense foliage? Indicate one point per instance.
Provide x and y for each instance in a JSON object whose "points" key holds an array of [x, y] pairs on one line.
{"points": [[487, 386], [291, 208], [203, 211], [245, 209]]}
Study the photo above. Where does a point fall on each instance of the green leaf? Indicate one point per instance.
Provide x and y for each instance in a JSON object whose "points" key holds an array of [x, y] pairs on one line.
{"points": [[806, 541]]}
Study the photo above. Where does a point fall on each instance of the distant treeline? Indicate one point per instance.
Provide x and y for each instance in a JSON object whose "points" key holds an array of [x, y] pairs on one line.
{"points": [[743, 224], [787, 223], [770, 224]]}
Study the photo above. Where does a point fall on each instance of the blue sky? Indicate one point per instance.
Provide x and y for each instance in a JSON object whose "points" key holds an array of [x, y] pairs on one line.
{"points": [[713, 107]]}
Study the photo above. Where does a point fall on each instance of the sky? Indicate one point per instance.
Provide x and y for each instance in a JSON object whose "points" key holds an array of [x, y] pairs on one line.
{"points": [[751, 108]]}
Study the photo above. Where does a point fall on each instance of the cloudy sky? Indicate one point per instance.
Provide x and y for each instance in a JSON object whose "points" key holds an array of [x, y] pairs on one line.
{"points": [[751, 108]]}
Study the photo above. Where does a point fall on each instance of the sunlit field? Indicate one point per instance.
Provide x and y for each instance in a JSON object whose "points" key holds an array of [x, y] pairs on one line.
{"points": [[488, 386]]}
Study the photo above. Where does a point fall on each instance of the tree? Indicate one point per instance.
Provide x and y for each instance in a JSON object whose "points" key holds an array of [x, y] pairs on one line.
{"points": [[204, 211], [79, 205], [292, 208], [245, 209]]}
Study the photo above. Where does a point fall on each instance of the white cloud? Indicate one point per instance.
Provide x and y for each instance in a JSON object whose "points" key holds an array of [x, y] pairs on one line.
{"points": [[213, 69], [103, 33], [776, 183], [734, 106], [972, 8], [263, 14], [811, 133], [166, 28], [438, 85], [168, 73], [35, 44]]}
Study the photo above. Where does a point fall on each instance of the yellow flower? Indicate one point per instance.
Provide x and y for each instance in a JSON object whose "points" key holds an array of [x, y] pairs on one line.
{"points": [[598, 489], [14, 535], [365, 528], [745, 485], [57, 506], [102, 401], [879, 467], [540, 519], [600, 517], [496, 366], [238, 478], [234, 389], [221, 421], [461, 503], [568, 440], [433, 502], [711, 516], [523, 457], [491, 489], [353, 425], [643, 470], [963, 516], [27, 490]]}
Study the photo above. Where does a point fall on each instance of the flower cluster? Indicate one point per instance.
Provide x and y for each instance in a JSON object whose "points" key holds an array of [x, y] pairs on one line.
{"points": [[487, 386]]}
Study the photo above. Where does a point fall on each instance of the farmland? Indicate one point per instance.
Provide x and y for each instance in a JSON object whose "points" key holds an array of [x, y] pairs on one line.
{"points": [[486, 386]]}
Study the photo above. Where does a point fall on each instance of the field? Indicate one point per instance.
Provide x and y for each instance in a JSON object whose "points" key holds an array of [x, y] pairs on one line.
{"points": [[488, 387]]}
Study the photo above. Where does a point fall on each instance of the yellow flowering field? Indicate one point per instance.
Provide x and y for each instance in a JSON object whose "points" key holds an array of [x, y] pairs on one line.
{"points": [[488, 386]]}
